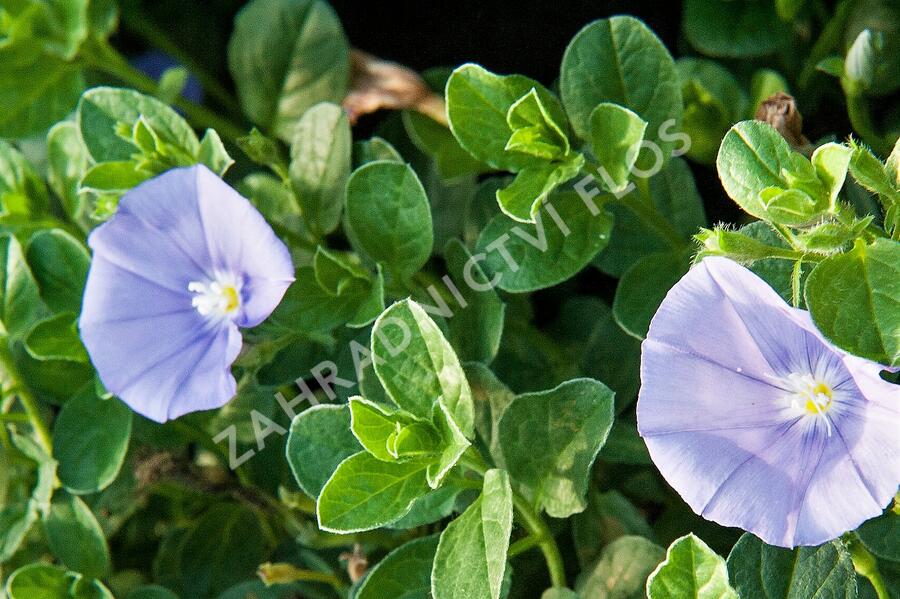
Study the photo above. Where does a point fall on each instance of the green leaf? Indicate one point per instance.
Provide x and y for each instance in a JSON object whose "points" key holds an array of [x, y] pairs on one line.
{"points": [[713, 102], [335, 271], [764, 84], [416, 365], [619, 60], [734, 29], [559, 593], [151, 591], [223, 548], [602, 350], [436, 140], [320, 439], [491, 398], [60, 265], [475, 329], [854, 300], [38, 581], [20, 302], [389, 215], [213, 153], [471, 556], [880, 535], [375, 148], [75, 536], [320, 164], [21, 189], [15, 525], [102, 110], [86, 588], [387, 435], [262, 150], [622, 570], [872, 174], [286, 56], [171, 83], [36, 93], [404, 573], [90, 440], [307, 307], [608, 516], [616, 134], [478, 102], [276, 201], [545, 253], [522, 198], [625, 446], [114, 177], [831, 162], [435, 505], [533, 129], [365, 493], [45, 474], [61, 27], [642, 289], [454, 444], [768, 180], [56, 338], [67, 162], [760, 571], [829, 237], [570, 424], [691, 571]]}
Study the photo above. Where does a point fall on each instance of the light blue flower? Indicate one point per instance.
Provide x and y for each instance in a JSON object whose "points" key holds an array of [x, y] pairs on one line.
{"points": [[184, 262], [757, 420]]}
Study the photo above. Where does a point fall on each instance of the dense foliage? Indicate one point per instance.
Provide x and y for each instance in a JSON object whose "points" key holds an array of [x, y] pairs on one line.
{"points": [[443, 403]]}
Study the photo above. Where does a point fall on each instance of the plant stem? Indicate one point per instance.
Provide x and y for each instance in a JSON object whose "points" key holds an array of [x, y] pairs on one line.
{"points": [[101, 56], [865, 565], [28, 401], [138, 23], [538, 528], [530, 519], [861, 120], [827, 42], [523, 545], [641, 205]]}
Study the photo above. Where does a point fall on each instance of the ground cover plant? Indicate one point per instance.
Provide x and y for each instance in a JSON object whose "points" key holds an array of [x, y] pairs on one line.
{"points": [[282, 318]]}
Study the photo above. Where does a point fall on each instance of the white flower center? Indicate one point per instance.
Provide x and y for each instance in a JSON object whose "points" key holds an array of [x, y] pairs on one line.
{"points": [[217, 298], [811, 396]]}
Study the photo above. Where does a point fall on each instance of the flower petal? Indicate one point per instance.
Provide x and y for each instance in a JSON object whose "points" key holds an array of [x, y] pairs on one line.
{"points": [[725, 431], [197, 377], [157, 232], [717, 398], [241, 241], [733, 318]]}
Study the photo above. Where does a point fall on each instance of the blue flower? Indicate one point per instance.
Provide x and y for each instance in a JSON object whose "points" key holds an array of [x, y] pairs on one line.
{"points": [[184, 262], [756, 419]]}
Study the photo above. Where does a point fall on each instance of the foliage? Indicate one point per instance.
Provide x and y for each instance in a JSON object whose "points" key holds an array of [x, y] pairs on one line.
{"points": [[448, 385]]}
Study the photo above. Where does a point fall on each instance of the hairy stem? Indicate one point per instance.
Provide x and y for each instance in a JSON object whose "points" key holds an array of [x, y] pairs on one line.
{"points": [[530, 520]]}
